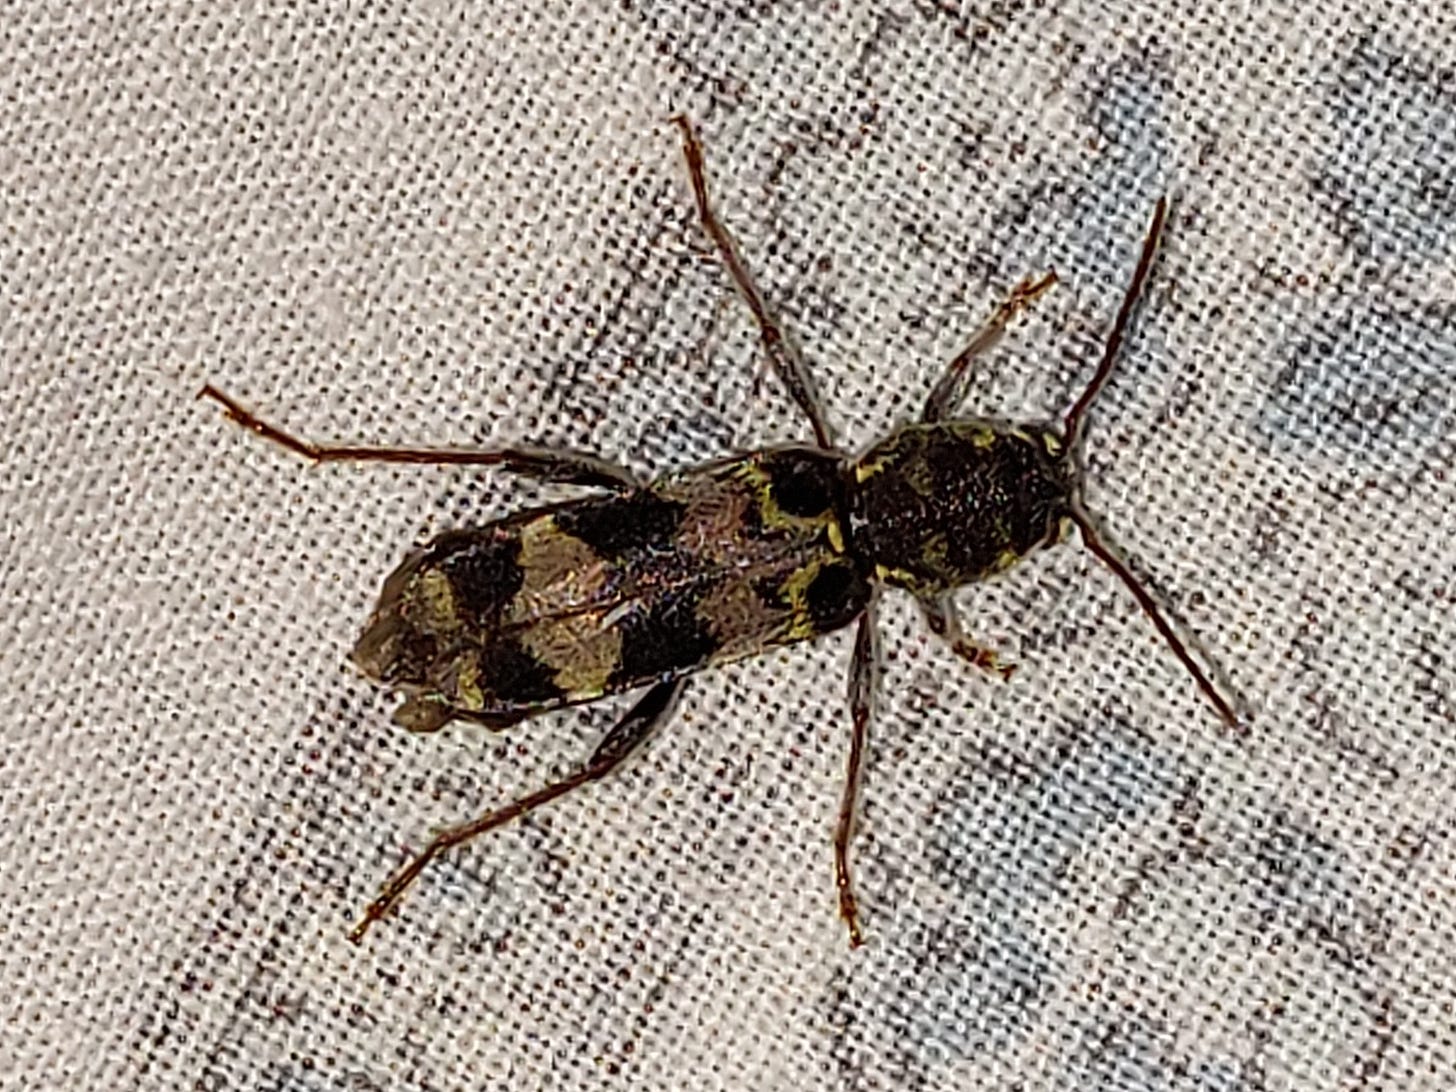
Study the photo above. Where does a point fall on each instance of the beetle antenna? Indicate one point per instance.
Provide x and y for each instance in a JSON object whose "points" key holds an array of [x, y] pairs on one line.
{"points": [[1073, 428], [1094, 543], [1074, 425]]}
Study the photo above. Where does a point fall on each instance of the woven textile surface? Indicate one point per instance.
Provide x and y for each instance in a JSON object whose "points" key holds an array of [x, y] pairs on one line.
{"points": [[470, 224]]}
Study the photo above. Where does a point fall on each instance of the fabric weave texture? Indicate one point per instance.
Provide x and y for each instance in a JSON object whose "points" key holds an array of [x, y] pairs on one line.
{"points": [[470, 223]]}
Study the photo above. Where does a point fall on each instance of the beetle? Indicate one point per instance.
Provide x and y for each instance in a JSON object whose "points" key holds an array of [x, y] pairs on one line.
{"points": [[640, 584]]}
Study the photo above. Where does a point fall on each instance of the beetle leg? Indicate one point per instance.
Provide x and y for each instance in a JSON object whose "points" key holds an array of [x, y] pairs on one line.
{"points": [[782, 355], [544, 464], [863, 673], [945, 622], [626, 736], [950, 391]]}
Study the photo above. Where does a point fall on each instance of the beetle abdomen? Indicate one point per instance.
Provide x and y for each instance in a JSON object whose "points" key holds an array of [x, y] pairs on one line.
{"points": [[561, 605]]}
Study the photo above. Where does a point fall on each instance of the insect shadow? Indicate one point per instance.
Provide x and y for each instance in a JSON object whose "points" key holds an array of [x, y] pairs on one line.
{"points": [[643, 583]]}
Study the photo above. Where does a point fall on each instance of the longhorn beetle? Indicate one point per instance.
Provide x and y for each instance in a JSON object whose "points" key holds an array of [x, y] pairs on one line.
{"points": [[643, 583]]}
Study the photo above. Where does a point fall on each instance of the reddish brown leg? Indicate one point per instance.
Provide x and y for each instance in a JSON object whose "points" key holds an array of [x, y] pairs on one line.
{"points": [[782, 355], [949, 392], [628, 734], [945, 622], [863, 671], [574, 467]]}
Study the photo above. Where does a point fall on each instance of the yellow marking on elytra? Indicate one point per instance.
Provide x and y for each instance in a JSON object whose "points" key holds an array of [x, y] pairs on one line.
{"points": [[438, 597], [795, 589], [770, 514], [468, 692], [776, 517], [773, 515], [582, 650], [556, 568]]}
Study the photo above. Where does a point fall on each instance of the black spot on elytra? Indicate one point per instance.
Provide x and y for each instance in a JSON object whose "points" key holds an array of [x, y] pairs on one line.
{"points": [[509, 673], [482, 568], [619, 525], [802, 483], [667, 639], [836, 595]]}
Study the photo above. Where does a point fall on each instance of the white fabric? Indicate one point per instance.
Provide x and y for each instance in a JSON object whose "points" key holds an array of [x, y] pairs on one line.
{"points": [[456, 223]]}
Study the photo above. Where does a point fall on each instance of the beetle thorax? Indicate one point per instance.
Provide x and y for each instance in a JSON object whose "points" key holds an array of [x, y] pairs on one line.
{"points": [[939, 505]]}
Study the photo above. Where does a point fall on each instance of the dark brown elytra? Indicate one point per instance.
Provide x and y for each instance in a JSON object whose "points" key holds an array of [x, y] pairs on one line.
{"points": [[639, 579]]}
